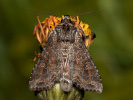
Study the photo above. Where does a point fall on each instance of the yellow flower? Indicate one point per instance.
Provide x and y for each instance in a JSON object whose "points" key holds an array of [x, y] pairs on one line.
{"points": [[42, 30]]}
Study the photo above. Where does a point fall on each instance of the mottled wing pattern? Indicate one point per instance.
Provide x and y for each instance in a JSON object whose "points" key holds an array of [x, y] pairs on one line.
{"points": [[85, 74], [44, 74]]}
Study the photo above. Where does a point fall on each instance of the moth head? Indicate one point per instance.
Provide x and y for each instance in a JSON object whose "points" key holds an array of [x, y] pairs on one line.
{"points": [[66, 19]]}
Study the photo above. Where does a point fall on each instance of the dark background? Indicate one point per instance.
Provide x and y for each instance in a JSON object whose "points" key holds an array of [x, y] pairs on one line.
{"points": [[112, 50]]}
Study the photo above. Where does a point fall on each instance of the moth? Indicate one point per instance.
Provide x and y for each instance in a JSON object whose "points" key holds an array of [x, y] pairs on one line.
{"points": [[65, 59]]}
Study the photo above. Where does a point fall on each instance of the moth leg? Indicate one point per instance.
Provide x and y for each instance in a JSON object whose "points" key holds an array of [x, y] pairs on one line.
{"points": [[58, 35], [73, 36], [51, 32], [83, 34], [37, 55]]}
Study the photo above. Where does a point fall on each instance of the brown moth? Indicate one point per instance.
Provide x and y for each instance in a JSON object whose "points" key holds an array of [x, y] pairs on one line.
{"points": [[66, 60]]}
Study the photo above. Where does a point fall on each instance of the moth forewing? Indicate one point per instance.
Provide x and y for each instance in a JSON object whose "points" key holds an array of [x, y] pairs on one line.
{"points": [[45, 71], [85, 74]]}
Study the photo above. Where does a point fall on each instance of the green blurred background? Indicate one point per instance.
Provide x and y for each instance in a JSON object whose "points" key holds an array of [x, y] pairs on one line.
{"points": [[112, 50]]}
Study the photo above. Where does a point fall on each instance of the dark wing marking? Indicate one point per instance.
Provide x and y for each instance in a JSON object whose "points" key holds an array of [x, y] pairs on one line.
{"points": [[45, 72], [85, 74]]}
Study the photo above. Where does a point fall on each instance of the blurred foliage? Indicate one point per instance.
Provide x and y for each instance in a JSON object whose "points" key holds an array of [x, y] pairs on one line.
{"points": [[112, 50]]}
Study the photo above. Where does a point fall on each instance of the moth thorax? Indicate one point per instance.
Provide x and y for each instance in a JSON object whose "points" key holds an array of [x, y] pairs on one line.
{"points": [[65, 84], [66, 27]]}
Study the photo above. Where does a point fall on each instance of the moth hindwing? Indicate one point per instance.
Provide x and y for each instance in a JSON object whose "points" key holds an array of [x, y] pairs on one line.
{"points": [[65, 59]]}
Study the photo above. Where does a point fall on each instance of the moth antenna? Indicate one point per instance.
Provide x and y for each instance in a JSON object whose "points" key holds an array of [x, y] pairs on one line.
{"points": [[86, 13], [42, 12]]}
